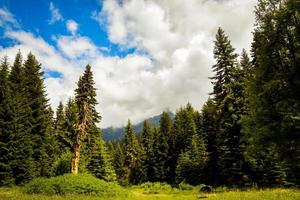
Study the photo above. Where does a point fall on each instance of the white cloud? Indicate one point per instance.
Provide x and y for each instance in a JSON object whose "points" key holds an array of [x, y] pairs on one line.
{"points": [[177, 36], [72, 26], [74, 47], [55, 14], [7, 20]]}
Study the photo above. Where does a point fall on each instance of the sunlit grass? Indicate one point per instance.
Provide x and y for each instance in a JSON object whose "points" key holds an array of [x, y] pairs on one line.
{"points": [[139, 194]]}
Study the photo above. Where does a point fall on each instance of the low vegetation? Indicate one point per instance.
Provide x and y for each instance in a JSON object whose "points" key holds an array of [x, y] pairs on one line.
{"points": [[82, 184], [176, 194]]}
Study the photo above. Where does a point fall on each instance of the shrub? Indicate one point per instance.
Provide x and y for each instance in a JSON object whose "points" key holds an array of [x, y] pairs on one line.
{"points": [[155, 188], [69, 184], [185, 186]]}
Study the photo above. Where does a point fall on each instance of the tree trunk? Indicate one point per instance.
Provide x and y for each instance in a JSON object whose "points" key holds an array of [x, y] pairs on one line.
{"points": [[75, 158]]}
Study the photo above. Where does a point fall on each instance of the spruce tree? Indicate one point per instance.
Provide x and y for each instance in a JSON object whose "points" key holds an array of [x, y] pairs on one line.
{"points": [[118, 163], [85, 98], [191, 164], [100, 162], [131, 154], [209, 128], [22, 162], [147, 141], [6, 129], [60, 129], [40, 118], [274, 90], [227, 97], [161, 148]]}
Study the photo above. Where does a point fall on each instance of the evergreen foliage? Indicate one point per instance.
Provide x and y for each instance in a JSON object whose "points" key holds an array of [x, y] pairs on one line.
{"points": [[6, 119], [247, 132], [274, 90]]}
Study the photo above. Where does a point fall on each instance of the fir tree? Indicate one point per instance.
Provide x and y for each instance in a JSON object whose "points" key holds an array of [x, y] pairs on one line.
{"points": [[87, 117], [40, 118], [6, 131], [100, 163], [227, 97], [22, 162], [161, 148], [147, 141], [118, 163], [60, 129], [274, 90], [131, 154], [209, 128]]}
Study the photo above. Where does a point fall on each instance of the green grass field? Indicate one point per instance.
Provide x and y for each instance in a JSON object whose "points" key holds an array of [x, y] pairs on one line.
{"points": [[139, 194]]}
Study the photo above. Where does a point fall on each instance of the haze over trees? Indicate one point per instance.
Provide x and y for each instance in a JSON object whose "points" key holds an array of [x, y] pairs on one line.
{"points": [[247, 133]]}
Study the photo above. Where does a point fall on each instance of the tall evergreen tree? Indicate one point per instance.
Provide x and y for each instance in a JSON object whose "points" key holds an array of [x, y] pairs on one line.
{"points": [[191, 163], [118, 163], [274, 90], [88, 116], [209, 128], [161, 148], [6, 131], [132, 155], [227, 97], [147, 141], [100, 163], [22, 162], [60, 129], [40, 117]]}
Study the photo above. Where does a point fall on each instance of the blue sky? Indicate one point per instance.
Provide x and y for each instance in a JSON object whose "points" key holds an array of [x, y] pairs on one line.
{"points": [[146, 55], [34, 16]]}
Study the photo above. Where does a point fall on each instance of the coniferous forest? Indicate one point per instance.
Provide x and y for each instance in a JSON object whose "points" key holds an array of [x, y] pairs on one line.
{"points": [[246, 134]]}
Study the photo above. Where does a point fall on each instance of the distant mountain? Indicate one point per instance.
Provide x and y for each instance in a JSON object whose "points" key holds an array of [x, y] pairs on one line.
{"points": [[113, 133]]}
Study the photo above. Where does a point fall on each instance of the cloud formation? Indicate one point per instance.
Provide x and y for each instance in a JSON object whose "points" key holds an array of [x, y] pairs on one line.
{"points": [[72, 26], [171, 64], [55, 14], [7, 19]]}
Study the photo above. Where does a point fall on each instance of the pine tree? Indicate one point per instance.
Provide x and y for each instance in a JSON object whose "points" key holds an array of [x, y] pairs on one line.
{"points": [[274, 90], [60, 129], [192, 162], [161, 149], [147, 141], [6, 131], [88, 116], [227, 97], [100, 163], [118, 163], [131, 154], [22, 162], [71, 118], [209, 128], [40, 117]]}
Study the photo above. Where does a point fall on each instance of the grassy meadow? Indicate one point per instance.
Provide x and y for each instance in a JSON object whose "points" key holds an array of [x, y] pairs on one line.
{"points": [[140, 194]]}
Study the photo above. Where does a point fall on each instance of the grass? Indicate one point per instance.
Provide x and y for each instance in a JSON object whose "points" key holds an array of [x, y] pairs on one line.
{"points": [[141, 194]]}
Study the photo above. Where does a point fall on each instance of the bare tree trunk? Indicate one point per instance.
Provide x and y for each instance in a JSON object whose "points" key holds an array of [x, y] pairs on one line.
{"points": [[75, 158], [80, 136]]}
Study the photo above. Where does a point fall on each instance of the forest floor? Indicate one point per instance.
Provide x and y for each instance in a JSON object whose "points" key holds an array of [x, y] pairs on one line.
{"points": [[267, 194]]}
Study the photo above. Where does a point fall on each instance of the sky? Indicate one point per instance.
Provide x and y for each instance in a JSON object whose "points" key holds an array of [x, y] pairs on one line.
{"points": [[146, 55]]}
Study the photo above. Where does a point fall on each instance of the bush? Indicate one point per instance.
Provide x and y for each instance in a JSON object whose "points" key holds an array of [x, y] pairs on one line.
{"points": [[185, 186], [69, 184], [155, 188]]}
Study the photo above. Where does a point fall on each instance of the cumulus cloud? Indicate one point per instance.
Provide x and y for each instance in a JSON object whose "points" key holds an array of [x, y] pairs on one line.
{"points": [[177, 38], [7, 19], [55, 14], [74, 47], [72, 26]]}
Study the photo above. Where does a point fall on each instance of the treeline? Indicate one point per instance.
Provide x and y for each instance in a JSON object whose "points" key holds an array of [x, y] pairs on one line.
{"points": [[33, 142], [246, 134]]}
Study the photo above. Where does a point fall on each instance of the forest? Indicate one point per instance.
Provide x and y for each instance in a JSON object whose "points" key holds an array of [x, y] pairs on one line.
{"points": [[245, 135]]}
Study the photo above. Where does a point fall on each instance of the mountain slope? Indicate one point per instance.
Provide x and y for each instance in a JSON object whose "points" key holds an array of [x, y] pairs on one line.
{"points": [[113, 133]]}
